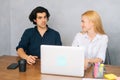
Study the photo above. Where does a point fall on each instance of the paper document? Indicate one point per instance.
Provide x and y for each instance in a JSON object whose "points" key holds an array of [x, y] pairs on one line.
{"points": [[92, 79]]}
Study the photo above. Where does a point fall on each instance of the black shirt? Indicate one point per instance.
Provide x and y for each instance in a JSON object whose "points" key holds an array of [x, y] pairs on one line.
{"points": [[31, 40]]}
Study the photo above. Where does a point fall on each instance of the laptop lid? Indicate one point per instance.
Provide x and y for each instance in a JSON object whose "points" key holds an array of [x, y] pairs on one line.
{"points": [[62, 60]]}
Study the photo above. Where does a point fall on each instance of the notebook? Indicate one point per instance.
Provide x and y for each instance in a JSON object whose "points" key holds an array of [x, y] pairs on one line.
{"points": [[62, 60]]}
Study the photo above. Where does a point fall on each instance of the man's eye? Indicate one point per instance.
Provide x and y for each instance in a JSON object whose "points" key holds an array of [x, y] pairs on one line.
{"points": [[39, 17], [45, 17]]}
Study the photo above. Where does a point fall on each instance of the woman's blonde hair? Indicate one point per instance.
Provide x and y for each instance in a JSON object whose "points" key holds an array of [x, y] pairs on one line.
{"points": [[96, 20]]}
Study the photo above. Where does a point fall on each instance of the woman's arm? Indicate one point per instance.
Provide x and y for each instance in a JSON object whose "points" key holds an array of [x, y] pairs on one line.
{"points": [[91, 61]]}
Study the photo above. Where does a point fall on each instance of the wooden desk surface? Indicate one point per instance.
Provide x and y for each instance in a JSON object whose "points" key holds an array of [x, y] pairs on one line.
{"points": [[33, 71]]}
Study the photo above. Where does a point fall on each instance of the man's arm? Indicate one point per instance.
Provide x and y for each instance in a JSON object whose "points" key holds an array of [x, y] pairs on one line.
{"points": [[29, 58], [58, 39]]}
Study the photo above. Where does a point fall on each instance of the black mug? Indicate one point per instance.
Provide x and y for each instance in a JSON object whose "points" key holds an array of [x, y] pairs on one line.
{"points": [[22, 65]]}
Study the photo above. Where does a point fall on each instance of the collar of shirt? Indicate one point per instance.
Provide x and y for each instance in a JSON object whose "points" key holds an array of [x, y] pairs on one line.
{"points": [[98, 36], [46, 26]]}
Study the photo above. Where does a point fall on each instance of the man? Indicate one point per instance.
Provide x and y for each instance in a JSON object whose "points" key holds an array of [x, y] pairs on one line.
{"points": [[29, 45]]}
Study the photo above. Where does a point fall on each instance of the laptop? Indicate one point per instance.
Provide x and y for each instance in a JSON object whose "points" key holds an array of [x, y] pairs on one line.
{"points": [[62, 60]]}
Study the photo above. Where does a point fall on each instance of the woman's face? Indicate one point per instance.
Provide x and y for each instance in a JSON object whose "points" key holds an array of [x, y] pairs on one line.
{"points": [[86, 24]]}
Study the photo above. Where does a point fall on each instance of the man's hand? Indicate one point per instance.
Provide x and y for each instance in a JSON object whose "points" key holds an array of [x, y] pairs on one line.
{"points": [[31, 59]]}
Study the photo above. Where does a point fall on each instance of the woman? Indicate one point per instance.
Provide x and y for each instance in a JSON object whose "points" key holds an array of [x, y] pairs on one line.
{"points": [[92, 37]]}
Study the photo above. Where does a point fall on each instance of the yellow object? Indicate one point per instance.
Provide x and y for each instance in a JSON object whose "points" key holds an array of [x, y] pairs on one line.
{"points": [[101, 68], [110, 76], [102, 65]]}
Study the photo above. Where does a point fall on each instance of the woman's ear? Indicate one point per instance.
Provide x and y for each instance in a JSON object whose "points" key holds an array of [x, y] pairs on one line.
{"points": [[91, 22]]}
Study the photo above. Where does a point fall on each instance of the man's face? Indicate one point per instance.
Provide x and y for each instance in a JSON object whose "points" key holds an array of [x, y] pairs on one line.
{"points": [[41, 20]]}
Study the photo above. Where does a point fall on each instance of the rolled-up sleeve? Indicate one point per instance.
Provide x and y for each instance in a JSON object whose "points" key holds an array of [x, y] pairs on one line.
{"points": [[24, 40], [102, 49], [76, 40]]}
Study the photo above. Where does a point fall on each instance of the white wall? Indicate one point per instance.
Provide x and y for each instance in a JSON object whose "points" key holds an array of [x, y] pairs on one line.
{"points": [[4, 27], [65, 17]]}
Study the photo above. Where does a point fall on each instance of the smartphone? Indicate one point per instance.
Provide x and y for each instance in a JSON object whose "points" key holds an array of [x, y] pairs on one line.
{"points": [[13, 66]]}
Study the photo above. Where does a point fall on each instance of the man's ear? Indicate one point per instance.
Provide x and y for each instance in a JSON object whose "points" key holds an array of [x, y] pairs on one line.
{"points": [[34, 20]]}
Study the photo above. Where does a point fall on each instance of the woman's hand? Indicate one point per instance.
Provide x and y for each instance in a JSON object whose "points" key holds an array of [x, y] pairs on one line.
{"points": [[86, 64]]}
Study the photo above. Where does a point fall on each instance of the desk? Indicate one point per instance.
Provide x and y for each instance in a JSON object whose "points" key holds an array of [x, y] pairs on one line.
{"points": [[33, 71]]}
